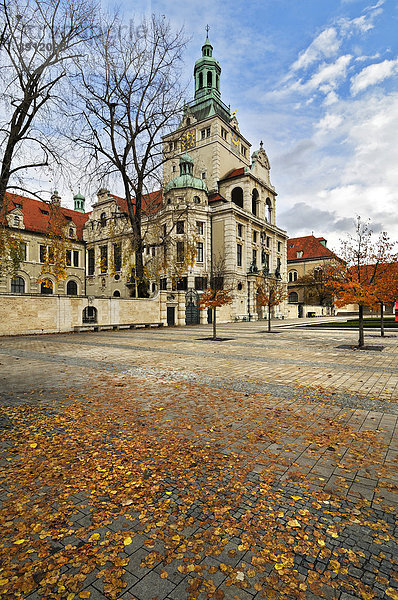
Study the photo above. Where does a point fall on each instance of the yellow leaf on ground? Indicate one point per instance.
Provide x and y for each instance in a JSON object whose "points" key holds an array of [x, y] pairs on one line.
{"points": [[297, 498], [85, 594], [293, 523], [392, 593], [3, 581], [251, 573], [70, 596], [164, 574], [321, 543], [94, 537], [127, 541], [34, 445], [19, 542]]}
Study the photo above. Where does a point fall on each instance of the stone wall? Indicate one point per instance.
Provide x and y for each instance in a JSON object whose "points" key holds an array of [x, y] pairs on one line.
{"points": [[29, 314]]}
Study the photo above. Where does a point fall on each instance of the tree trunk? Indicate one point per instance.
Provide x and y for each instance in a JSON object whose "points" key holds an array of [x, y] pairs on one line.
{"points": [[214, 324], [269, 319], [361, 336], [381, 319]]}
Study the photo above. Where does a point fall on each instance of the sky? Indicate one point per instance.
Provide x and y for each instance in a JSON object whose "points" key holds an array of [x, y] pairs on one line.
{"points": [[316, 81]]}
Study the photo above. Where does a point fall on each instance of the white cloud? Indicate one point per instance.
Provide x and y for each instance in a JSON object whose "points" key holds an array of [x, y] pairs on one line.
{"points": [[325, 45], [329, 122], [363, 23], [373, 74]]}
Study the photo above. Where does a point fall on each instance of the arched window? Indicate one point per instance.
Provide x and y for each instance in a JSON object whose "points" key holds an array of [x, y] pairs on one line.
{"points": [[47, 287], [116, 293], [200, 80], [269, 206], [293, 297], [71, 288], [318, 272], [237, 196], [188, 121], [293, 276], [196, 200], [103, 219], [255, 195], [209, 79], [90, 314], [218, 82], [18, 285]]}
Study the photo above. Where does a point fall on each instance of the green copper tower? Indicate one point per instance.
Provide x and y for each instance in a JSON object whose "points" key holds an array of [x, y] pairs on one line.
{"points": [[207, 73]]}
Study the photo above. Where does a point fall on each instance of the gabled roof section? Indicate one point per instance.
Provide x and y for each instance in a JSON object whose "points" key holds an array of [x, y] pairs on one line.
{"points": [[36, 214], [310, 247]]}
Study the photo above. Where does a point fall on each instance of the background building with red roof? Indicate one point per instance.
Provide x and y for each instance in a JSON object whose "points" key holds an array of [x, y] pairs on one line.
{"points": [[29, 220], [307, 258]]}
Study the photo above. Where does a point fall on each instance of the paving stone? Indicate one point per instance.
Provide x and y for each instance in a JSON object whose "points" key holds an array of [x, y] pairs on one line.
{"points": [[151, 586]]}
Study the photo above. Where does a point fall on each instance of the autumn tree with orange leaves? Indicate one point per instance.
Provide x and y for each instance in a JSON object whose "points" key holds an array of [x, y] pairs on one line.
{"points": [[365, 279], [270, 292], [216, 295]]}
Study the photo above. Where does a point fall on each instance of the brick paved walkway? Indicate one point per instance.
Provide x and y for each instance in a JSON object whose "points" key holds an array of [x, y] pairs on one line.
{"points": [[288, 412]]}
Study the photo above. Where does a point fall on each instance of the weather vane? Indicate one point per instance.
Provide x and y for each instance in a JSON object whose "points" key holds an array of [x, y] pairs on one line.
{"points": [[207, 29]]}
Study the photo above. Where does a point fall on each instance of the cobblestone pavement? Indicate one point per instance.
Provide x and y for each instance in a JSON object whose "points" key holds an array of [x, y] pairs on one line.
{"points": [[260, 466]]}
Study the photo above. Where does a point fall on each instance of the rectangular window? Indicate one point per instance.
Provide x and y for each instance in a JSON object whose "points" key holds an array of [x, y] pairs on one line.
{"points": [[68, 258], [90, 261], [153, 250], [200, 283], [42, 253], [239, 255], [203, 134], [24, 249], [204, 175], [117, 257], [240, 231], [223, 133], [163, 283], [199, 252], [182, 284], [180, 226], [164, 230], [279, 246], [50, 255], [243, 150], [218, 283], [255, 257], [208, 132], [180, 252], [254, 237], [104, 259], [268, 242], [75, 258], [200, 227]]}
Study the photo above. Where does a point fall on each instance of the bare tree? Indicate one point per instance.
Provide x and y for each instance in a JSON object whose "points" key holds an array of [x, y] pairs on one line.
{"points": [[130, 97], [37, 42]]}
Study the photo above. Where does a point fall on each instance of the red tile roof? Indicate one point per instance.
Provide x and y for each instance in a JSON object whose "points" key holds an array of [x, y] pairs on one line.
{"points": [[215, 196], [36, 214], [234, 173], [151, 202], [310, 246]]}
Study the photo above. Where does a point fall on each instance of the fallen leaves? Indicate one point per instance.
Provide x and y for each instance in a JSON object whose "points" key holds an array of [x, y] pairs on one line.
{"points": [[193, 503]]}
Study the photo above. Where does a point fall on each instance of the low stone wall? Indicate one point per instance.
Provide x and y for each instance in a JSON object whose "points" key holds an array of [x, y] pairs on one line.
{"points": [[309, 310], [54, 314]]}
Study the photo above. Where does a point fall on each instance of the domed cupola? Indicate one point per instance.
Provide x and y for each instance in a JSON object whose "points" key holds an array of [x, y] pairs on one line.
{"points": [[79, 201], [207, 73], [186, 177]]}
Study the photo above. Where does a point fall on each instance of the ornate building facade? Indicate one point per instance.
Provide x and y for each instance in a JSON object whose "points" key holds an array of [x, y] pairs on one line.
{"points": [[214, 217]]}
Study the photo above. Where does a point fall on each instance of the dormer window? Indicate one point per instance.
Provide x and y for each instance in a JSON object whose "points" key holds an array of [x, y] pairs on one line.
{"points": [[17, 222], [17, 205], [44, 212], [299, 254], [71, 232]]}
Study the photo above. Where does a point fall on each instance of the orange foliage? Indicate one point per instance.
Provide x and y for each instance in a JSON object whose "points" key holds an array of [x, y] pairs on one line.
{"points": [[214, 298]]}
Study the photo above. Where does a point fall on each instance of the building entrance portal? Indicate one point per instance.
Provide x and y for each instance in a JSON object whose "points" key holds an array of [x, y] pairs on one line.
{"points": [[192, 314]]}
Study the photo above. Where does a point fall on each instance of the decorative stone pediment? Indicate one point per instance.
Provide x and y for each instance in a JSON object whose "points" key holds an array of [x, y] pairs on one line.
{"points": [[15, 219]]}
